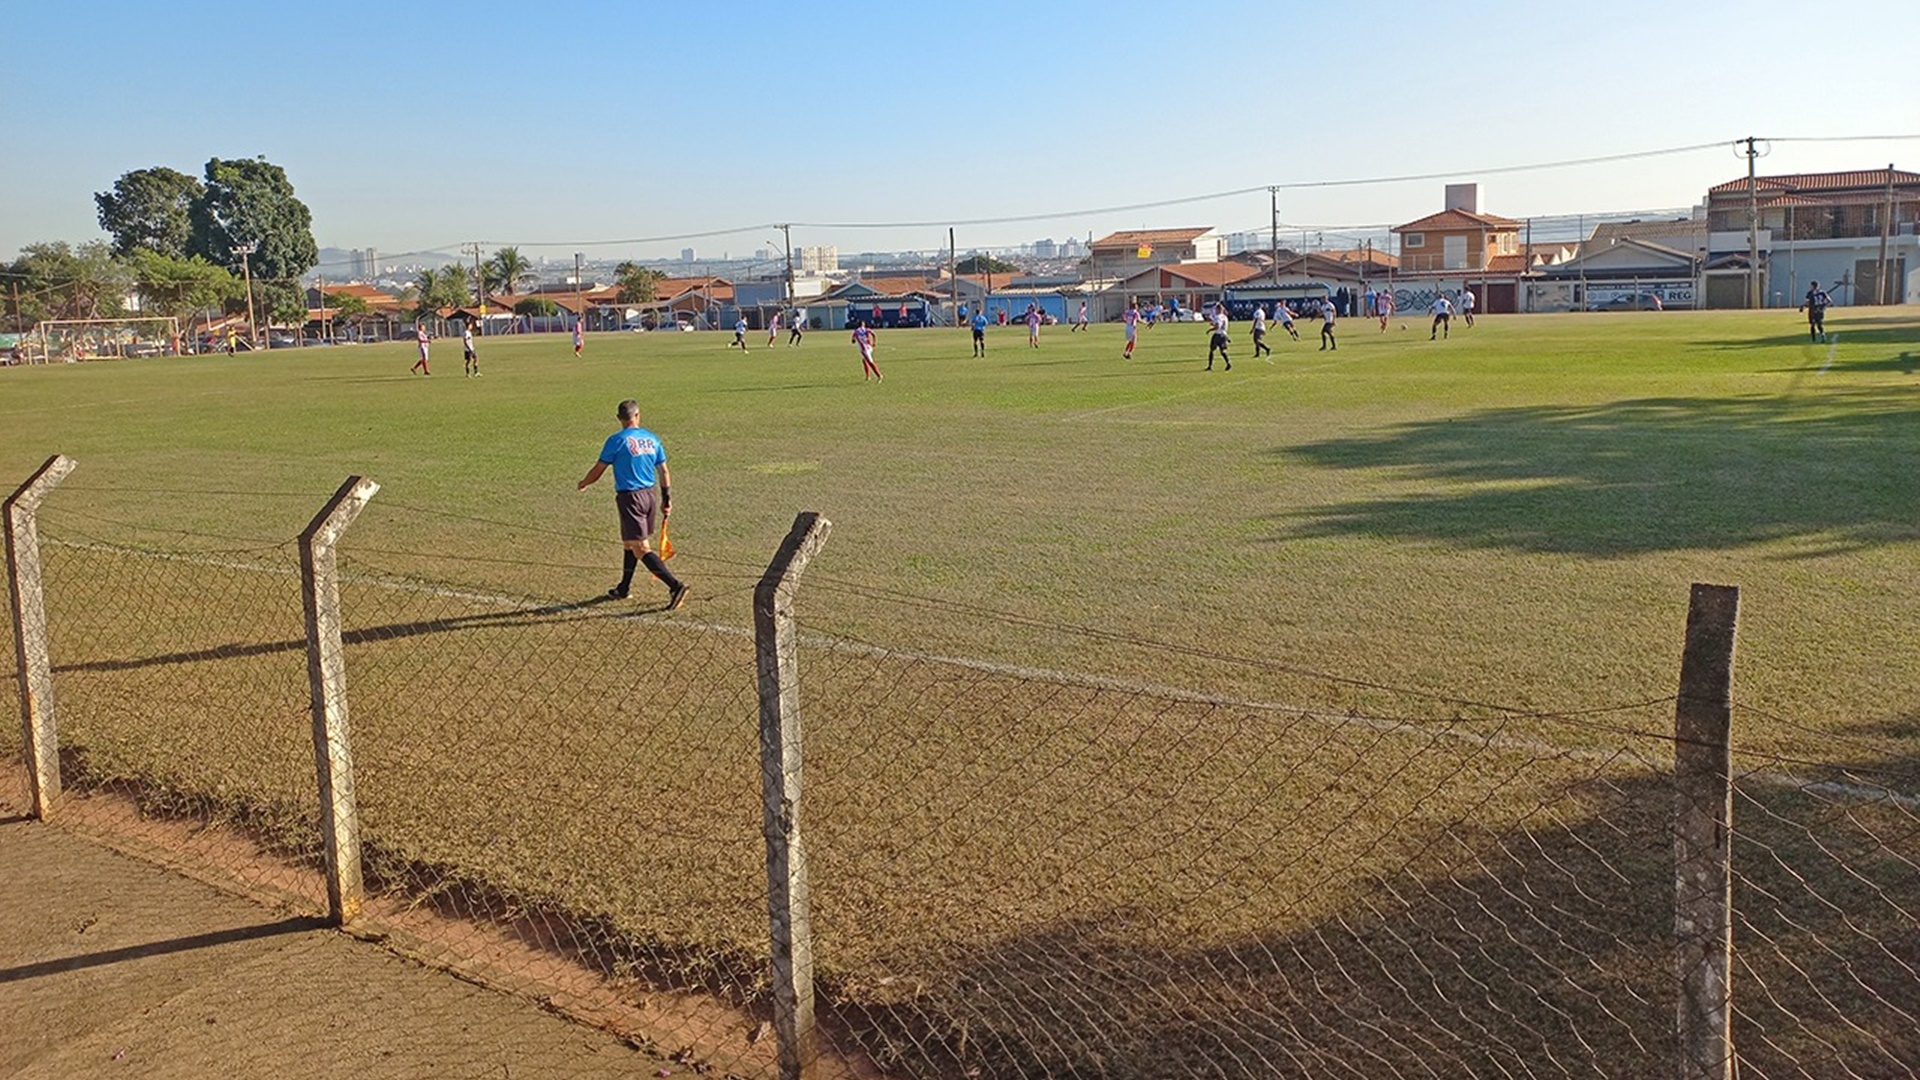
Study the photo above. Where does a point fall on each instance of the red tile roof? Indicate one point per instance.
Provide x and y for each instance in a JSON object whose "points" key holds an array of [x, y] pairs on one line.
{"points": [[1828, 181], [1133, 238], [1213, 274], [1457, 219]]}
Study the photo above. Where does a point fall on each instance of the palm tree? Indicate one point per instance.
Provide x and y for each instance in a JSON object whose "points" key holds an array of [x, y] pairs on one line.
{"points": [[507, 271], [637, 283]]}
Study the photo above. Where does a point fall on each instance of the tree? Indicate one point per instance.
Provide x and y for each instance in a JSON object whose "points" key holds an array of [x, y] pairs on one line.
{"points": [[984, 264], [638, 284], [442, 288], [150, 210], [537, 306], [60, 281], [180, 287], [507, 270], [250, 201]]}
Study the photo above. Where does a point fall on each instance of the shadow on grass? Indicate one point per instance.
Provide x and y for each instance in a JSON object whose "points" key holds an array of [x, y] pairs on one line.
{"points": [[1631, 477], [1546, 950], [565, 612]]}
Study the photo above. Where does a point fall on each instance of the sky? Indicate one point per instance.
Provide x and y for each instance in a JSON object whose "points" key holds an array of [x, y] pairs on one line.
{"points": [[617, 129]]}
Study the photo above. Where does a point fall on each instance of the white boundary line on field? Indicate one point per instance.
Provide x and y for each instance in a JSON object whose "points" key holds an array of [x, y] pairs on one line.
{"points": [[1538, 747]]}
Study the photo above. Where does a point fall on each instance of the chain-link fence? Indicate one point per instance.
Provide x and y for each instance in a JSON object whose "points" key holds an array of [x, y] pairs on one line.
{"points": [[1006, 871]]}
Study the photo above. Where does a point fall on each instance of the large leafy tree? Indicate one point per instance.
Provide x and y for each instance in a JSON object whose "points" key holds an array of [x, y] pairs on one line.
{"points": [[60, 281], [250, 200], [507, 271], [181, 287], [638, 284], [150, 210]]}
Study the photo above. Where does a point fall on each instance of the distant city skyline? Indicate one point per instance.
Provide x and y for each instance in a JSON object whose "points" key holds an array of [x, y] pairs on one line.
{"points": [[875, 128]]}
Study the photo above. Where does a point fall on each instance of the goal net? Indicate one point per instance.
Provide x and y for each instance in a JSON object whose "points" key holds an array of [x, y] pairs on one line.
{"points": [[66, 340]]}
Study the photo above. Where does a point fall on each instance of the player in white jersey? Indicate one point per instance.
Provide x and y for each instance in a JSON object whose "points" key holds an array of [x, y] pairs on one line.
{"points": [[1442, 318], [1383, 305], [863, 340], [1326, 325], [1219, 339], [1260, 347], [1466, 304], [1132, 321]]}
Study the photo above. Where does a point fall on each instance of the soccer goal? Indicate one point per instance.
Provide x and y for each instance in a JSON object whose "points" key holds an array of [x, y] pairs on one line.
{"points": [[67, 340]]}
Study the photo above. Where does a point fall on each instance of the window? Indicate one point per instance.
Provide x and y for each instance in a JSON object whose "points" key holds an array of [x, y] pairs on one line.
{"points": [[1414, 239]]}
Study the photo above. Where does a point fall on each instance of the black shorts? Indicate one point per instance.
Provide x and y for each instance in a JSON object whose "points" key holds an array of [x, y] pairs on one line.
{"points": [[1259, 334], [469, 353], [637, 513], [1219, 342], [979, 335]]}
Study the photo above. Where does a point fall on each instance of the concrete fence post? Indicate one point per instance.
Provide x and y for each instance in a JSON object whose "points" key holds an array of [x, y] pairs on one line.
{"points": [[1703, 836], [789, 909], [30, 652], [327, 694]]}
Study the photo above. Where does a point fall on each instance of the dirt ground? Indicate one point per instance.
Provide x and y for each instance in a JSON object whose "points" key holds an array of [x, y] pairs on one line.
{"points": [[111, 966]]}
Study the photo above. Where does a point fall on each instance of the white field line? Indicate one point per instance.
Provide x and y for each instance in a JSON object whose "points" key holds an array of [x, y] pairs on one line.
{"points": [[1535, 747]]}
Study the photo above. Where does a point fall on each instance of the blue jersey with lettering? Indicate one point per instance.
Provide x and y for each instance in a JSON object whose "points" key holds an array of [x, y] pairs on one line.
{"points": [[634, 453], [980, 321]]}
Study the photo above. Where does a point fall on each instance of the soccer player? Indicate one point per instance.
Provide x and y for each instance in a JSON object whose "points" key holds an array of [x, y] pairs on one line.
{"points": [[773, 329], [466, 348], [1260, 347], [799, 326], [1326, 326], [1466, 304], [638, 459], [420, 338], [1132, 321], [1033, 326], [863, 340], [1219, 339], [1081, 322], [1284, 313], [739, 334], [1383, 305], [579, 339], [1442, 317], [1815, 306], [979, 324]]}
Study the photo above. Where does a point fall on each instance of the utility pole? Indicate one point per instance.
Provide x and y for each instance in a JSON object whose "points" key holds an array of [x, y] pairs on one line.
{"points": [[953, 276], [246, 269], [786, 241], [326, 324], [1886, 232], [1753, 226], [579, 302], [1273, 239], [479, 285]]}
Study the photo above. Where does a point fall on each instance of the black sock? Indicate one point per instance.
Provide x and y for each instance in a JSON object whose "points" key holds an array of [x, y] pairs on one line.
{"points": [[658, 568], [628, 561]]}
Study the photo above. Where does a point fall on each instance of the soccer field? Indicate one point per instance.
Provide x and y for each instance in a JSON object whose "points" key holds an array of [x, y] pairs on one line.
{"points": [[1510, 516], [1311, 715]]}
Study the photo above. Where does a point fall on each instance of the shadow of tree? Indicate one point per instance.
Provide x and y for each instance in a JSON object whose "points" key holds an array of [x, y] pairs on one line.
{"points": [[1630, 477], [1540, 951]]}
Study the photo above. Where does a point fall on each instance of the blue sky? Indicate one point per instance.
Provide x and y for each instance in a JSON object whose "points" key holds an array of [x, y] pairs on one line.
{"points": [[558, 127]]}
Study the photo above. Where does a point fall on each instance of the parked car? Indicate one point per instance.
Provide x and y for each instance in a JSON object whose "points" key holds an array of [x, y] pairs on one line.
{"points": [[1639, 301]]}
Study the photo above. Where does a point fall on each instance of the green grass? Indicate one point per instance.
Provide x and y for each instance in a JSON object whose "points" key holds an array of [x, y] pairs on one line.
{"points": [[1356, 565], [1511, 516]]}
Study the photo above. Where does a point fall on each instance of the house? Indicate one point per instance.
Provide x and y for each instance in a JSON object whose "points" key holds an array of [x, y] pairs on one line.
{"points": [[1299, 279], [1120, 255], [1827, 227], [1460, 247], [1618, 271], [1190, 285]]}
